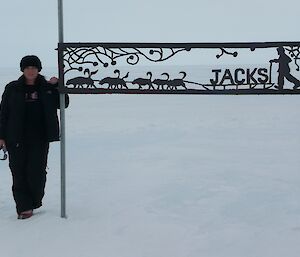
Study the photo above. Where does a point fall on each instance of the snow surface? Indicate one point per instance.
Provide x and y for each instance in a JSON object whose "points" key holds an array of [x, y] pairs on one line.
{"points": [[167, 176]]}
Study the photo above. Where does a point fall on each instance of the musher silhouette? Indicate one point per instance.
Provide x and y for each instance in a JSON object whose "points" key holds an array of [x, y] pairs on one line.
{"points": [[284, 69]]}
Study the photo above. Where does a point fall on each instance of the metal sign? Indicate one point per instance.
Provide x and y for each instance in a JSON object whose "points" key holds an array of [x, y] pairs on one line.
{"points": [[149, 68]]}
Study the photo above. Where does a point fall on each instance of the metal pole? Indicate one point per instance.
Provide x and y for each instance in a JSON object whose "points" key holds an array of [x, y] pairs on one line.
{"points": [[62, 112]]}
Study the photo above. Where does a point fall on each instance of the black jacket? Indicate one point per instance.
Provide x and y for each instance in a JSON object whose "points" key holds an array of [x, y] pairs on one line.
{"points": [[12, 110]]}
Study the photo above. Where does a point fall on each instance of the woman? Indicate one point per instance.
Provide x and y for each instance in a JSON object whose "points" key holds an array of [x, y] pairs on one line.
{"points": [[28, 122]]}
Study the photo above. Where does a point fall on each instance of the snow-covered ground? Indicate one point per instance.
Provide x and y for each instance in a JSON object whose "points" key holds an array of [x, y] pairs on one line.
{"points": [[167, 176]]}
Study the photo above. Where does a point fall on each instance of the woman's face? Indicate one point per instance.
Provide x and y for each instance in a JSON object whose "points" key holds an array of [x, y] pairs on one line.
{"points": [[31, 73]]}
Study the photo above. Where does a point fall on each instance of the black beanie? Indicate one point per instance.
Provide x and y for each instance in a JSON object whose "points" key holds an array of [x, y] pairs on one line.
{"points": [[30, 60]]}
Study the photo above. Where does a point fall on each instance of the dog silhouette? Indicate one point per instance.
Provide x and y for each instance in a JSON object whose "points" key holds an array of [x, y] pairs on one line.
{"points": [[80, 81], [144, 82], [115, 83]]}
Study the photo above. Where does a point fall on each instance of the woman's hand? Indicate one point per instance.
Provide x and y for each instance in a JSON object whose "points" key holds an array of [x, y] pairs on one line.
{"points": [[53, 80], [2, 144]]}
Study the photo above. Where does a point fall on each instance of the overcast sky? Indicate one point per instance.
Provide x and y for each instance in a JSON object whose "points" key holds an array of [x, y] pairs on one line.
{"points": [[30, 27]]}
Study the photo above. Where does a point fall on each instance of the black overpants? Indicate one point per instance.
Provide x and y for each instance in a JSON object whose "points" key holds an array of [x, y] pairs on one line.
{"points": [[28, 162]]}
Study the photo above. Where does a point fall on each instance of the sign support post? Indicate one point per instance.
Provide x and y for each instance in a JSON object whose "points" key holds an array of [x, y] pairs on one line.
{"points": [[62, 112]]}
